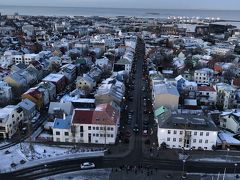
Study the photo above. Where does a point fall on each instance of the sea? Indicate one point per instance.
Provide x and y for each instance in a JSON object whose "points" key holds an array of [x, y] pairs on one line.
{"points": [[227, 15]]}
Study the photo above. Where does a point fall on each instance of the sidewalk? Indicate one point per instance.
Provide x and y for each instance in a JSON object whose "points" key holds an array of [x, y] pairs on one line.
{"points": [[153, 174]]}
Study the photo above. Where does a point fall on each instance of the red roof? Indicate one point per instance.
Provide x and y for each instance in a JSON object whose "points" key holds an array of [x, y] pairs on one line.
{"points": [[81, 116], [206, 88], [105, 114]]}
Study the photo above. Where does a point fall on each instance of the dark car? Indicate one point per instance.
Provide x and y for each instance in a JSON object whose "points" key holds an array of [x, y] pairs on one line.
{"points": [[135, 128]]}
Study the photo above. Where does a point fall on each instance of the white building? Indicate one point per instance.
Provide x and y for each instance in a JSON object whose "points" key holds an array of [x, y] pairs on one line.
{"points": [[99, 125], [17, 59], [231, 121], [203, 76], [188, 132], [10, 117], [225, 95], [30, 57], [206, 95]]}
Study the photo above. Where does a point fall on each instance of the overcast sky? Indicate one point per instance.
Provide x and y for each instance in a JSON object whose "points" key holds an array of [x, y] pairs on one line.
{"points": [[158, 4]]}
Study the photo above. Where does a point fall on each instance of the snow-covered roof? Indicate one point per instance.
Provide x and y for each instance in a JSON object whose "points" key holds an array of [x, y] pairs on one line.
{"points": [[53, 77], [228, 138]]}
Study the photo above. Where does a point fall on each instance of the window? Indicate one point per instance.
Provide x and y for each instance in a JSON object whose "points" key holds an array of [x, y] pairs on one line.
{"points": [[13, 116], [101, 135], [89, 127], [169, 131], [93, 127], [66, 133], [200, 140], [81, 134], [94, 134], [181, 132], [195, 133], [97, 128], [111, 135], [111, 128], [206, 141], [180, 139], [108, 128], [58, 139], [194, 140], [66, 140], [108, 135], [101, 128], [168, 139], [201, 133], [207, 133], [174, 139], [174, 132], [97, 135], [57, 133]]}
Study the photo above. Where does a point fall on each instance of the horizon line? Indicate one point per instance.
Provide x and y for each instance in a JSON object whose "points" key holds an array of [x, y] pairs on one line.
{"points": [[205, 9]]}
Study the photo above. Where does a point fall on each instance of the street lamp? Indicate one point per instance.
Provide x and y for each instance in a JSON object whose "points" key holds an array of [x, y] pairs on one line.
{"points": [[227, 153], [183, 170], [235, 167]]}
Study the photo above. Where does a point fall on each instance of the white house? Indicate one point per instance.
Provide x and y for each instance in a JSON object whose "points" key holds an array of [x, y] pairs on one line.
{"points": [[30, 57], [99, 125], [225, 95], [231, 121], [206, 95], [203, 76], [62, 130], [10, 117], [187, 131]]}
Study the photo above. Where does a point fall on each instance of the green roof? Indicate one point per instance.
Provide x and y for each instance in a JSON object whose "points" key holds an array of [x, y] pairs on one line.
{"points": [[81, 61], [159, 111]]}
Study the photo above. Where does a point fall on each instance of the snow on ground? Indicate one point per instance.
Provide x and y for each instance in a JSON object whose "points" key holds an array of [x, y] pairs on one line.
{"points": [[94, 174], [38, 153], [224, 158]]}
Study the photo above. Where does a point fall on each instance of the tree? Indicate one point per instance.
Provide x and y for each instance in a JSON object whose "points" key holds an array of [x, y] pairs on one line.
{"points": [[188, 64]]}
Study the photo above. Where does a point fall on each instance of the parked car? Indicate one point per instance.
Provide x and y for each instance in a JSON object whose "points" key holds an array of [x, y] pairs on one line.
{"points": [[87, 165], [145, 133]]}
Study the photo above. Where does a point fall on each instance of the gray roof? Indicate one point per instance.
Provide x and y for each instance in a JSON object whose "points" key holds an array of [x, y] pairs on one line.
{"points": [[188, 122], [27, 104], [66, 107], [165, 89]]}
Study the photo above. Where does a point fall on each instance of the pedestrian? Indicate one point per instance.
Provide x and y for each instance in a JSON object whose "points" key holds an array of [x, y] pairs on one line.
{"points": [[151, 172]]}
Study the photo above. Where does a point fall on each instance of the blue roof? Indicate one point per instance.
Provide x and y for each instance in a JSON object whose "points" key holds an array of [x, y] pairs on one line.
{"points": [[62, 123]]}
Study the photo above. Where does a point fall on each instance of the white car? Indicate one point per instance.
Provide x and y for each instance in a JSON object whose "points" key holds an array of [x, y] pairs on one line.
{"points": [[87, 165]]}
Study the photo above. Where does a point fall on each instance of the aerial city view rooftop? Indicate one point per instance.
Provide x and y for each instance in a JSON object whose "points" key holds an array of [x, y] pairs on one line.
{"points": [[120, 90]]}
